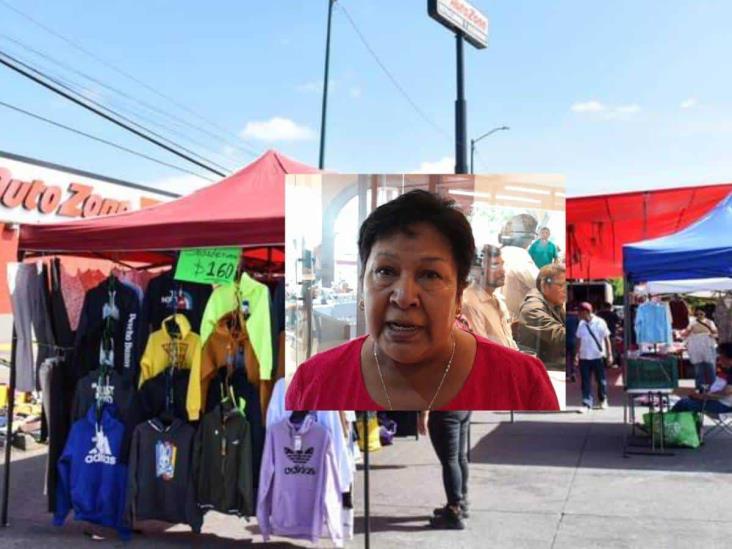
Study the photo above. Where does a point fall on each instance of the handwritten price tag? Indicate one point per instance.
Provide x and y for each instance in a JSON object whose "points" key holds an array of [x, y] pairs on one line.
{"points": [[208, 265]]}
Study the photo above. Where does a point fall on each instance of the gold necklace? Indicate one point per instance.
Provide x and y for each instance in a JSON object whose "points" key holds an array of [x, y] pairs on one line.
{"points": [[439, 387]]}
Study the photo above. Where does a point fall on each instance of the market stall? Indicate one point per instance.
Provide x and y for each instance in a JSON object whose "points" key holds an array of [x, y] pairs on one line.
{"points": [[122, 315], [696, 258]]}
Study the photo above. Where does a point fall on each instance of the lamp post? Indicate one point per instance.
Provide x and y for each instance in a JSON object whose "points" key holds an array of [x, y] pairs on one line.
{"points": [[474, 141]]}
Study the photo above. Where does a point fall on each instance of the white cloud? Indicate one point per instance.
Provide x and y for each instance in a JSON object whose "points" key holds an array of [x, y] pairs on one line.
{"points": [[180, 184], [277, 129], [588, 106], [444, 165], [604, 111], [355, 92], [689, 103]]}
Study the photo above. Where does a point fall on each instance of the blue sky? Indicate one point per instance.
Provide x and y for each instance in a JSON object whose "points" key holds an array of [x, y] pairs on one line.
{"points": [[616, 96]]}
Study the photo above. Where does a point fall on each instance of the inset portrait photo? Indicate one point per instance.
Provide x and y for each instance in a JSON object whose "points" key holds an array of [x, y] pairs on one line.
{"points": [[425, 292]]}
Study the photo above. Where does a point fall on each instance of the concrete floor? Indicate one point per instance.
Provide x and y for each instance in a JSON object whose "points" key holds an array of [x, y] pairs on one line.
{"points": [[546, 480]]}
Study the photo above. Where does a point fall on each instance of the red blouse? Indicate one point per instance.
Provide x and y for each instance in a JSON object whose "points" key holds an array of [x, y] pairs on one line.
{"points": [[501, 379]]}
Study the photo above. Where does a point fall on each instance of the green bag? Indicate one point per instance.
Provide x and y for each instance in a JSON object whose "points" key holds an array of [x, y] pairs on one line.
{"points": [[679, 428]]}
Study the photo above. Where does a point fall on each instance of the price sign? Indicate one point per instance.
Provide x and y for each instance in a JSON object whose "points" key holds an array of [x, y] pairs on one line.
{"points": [[208, 265]]}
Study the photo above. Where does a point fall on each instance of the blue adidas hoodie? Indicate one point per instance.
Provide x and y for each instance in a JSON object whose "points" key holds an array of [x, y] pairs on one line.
{"points": [[91, 477]]}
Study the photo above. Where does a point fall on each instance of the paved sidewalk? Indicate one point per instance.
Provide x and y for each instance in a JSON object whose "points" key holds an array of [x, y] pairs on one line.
{"points": [[547, 480]]}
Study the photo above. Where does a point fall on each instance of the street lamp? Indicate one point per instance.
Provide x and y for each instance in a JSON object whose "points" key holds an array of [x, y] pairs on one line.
{"points": [[474, 141]]}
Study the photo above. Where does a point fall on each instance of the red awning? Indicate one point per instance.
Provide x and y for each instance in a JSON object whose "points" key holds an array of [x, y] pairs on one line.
{"points": [[245, 209], [599, 226]]}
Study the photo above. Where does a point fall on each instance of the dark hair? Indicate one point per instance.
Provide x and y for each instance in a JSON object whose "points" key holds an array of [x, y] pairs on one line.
{"points": [[548, 273], [699, 308], [725, 349], [419, 206]]}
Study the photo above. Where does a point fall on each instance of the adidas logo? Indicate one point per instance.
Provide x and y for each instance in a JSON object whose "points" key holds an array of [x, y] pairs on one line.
{"points": [[101, 453], [299, 458]]}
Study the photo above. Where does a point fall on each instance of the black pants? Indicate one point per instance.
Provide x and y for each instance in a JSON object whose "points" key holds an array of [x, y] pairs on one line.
{"points": [[449, 437]]}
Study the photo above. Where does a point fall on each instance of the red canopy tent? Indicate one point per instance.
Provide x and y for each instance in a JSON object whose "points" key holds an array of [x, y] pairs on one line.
{"points": [[599, 226], [245, 209]]}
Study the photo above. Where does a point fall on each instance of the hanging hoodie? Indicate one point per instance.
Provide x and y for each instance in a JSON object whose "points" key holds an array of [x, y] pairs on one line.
{"points": [[167, 391], [160, 353], [225, 343], [125, 312], [91, 477], [255, 299], [298, 492], [223, 467], [160, 484], [166, 296]]}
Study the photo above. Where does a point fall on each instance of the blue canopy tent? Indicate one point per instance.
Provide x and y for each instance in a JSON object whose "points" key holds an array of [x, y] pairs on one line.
{"points": [[701, 250]]}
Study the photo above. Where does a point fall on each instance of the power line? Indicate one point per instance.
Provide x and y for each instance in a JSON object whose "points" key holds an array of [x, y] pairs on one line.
{"points": [[100, 140], [130, 97], [389, 75], [110, 111], [119, 71], [13, 65]]}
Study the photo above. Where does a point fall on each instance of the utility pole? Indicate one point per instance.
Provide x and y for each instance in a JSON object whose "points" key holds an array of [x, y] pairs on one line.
{"points": [[321, 161]]}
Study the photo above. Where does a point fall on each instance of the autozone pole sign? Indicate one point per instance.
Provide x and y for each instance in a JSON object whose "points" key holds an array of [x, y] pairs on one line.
{"points": [[75, 200], [461, 17]]}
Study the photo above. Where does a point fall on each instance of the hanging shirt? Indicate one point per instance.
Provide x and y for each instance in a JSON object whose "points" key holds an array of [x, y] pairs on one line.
{"points": [[160, 353], [327, 418], [543, 253], [653, 323], [299, 493], [223, 462], [679, 314], [487, 315], [161, 485], [92, 479], [228, 339], [125, 325], [521, 273], [166, 296], [255, 297]]}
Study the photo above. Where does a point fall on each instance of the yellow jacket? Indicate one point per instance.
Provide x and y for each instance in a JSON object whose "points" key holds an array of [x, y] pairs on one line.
{"points": [[160, 352]]}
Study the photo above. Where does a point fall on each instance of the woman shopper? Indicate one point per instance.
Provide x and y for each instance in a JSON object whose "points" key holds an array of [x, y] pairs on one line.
{"points": [[416, 252], [701, 345], [449, 436]]}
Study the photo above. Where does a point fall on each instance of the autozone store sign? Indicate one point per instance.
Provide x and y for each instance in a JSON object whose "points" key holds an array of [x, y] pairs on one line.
{"points": [[35, 193], [460, 16]]}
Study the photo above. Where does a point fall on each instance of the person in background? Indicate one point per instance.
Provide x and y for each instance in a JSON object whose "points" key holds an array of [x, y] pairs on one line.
{"points": [[541, 320], [700, 343], [543, 251], [571, 323], [593, 348], [719, 398], [484, 307], [521, 271], [612, 319]]}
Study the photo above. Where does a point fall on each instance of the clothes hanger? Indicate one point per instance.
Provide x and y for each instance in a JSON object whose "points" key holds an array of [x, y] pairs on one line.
{"points": [[298, 417]]}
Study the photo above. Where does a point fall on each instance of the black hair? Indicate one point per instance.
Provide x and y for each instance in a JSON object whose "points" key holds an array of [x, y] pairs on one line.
{"points": [[725, 349], [419, 206]]}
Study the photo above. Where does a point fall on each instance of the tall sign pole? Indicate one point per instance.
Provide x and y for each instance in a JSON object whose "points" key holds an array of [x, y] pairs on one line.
{"points": [[461, 123], [321, 161], [468, 24]]}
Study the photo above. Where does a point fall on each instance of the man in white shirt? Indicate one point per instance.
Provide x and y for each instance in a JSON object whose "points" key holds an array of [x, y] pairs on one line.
{"points": [[521, 271], [719, 398], [483, 307], [592, 346]]}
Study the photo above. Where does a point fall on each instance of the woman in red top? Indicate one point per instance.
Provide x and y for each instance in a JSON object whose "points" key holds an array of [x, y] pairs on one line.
{"points": [[416, 253]]}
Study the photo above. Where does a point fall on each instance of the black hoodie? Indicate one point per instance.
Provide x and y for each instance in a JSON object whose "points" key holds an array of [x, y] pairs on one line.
{"points": [[223, 462], [160, 476]]}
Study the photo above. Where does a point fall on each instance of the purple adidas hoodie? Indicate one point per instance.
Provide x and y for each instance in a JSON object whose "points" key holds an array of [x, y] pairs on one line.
{"points": [[298, 483]]}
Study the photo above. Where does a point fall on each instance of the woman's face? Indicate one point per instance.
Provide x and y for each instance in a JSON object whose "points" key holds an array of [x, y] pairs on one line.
{"points": [[700, 314], [411, 294]]}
